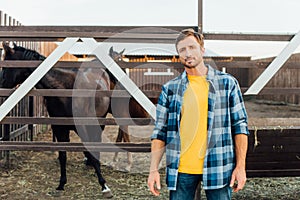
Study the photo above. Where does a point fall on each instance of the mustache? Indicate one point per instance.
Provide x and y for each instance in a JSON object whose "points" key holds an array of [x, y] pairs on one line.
{"points": [[188, 58]]}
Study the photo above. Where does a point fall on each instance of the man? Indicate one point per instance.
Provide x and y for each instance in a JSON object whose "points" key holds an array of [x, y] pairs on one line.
{"points": [[202, 125]]}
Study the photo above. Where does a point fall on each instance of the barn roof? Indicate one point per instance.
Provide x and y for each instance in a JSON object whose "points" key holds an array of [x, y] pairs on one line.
{"points": [[139, 49]]}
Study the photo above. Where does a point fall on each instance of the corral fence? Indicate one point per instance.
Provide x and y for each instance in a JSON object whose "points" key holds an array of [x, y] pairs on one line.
{"points": [[262, 129], [28, 106]]}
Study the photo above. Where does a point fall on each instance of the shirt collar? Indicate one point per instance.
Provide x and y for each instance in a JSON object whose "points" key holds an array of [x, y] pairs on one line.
{"points": [[210, 74]]}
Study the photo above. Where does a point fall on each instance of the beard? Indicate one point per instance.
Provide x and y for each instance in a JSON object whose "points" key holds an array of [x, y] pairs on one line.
{"points": [[191, 62], [190, 67]]}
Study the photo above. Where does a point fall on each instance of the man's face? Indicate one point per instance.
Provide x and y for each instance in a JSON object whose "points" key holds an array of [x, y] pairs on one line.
{"points": [[190, 52]]}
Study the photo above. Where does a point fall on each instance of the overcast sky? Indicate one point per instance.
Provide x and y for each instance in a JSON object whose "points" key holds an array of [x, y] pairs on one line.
{"points": [[218, 15], [248, 16]]}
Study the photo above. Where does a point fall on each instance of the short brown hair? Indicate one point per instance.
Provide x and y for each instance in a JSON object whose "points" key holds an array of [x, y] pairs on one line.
{"points": [[190, 32]]}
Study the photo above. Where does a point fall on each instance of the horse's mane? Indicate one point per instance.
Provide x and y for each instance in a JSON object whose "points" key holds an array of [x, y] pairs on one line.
{"points": [[29, 54]]}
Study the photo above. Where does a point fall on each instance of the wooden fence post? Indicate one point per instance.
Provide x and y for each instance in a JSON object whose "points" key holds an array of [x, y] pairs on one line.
{"points": [[31, 114]]}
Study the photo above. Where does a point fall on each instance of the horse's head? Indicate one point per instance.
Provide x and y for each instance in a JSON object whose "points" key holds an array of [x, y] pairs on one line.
{"points": [[20, 53], [11, 77], [12, 53], [116, 56]]}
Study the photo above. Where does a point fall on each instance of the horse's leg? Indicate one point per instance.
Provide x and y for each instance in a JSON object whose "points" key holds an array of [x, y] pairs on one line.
{"points": [[123, 131], [87, 160], [94, 135], [119, 139], [62, 135], [63, 170]]}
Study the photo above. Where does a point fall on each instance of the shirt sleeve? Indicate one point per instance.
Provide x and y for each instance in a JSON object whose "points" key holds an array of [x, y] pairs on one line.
{"points": [[238, 114], [160, 128]]}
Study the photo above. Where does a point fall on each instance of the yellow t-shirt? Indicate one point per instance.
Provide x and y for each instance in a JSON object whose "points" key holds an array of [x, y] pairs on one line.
{"points": [[193, 126]]}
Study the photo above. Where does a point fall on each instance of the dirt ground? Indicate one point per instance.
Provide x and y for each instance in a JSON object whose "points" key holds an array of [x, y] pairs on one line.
{"points": [[35, 175], [265, 109]]}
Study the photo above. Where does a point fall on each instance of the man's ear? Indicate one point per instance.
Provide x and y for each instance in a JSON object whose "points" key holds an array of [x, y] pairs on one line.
{"points": [[202, 50]]}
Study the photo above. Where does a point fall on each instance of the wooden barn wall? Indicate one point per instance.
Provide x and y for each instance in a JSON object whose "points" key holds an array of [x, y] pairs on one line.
{"points": [[241, 75], [47, 47], [284, 78], [152, 82]]}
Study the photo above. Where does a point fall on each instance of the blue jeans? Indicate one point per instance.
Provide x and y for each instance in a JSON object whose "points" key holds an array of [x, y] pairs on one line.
{"points": [[187, 185]]}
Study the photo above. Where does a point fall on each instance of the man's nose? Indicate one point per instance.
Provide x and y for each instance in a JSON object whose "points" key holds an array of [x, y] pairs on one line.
{"points": [[187, 52]]}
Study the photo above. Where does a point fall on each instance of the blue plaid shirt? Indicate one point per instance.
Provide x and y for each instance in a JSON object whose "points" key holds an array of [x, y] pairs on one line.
{"points": [[226, 117]]}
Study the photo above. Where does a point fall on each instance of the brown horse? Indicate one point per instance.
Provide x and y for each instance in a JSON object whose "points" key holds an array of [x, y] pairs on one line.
{"points": [[126, 108], [89, 78]]}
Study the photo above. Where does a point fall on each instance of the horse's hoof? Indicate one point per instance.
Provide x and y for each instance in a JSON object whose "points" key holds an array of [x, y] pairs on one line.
{"points": [[111, 165], [60, 188], [107, 192], [127, 169], [55, 193]]}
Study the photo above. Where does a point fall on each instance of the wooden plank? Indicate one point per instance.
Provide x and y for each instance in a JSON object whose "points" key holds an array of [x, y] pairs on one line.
{"points": [[125, 94], [18, 132], [276, 142], [276, 90], [242, 36], [200, 16], [273, 165], [145, 65], [59, 64], [116, 34], [97, 29], [273, 173], [76, 147], [100, 33], [79, 121], [280, 123], [276, 131], [253, 64], [276, 125], [275, 148], [273, 139], [1, 18], [79, 93], [267, 157], [139, 144]]}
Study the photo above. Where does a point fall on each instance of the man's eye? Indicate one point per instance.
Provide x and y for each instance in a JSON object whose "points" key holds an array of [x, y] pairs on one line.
{"points": [[181, 50]]}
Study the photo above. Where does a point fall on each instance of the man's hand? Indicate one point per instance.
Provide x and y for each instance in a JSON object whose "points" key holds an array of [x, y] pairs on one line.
{"points": [[157, 150], [238, 179], [154, 182]]}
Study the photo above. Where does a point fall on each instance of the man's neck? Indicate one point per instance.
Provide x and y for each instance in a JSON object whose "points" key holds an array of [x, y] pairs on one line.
{"points": [[200, 70]]}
